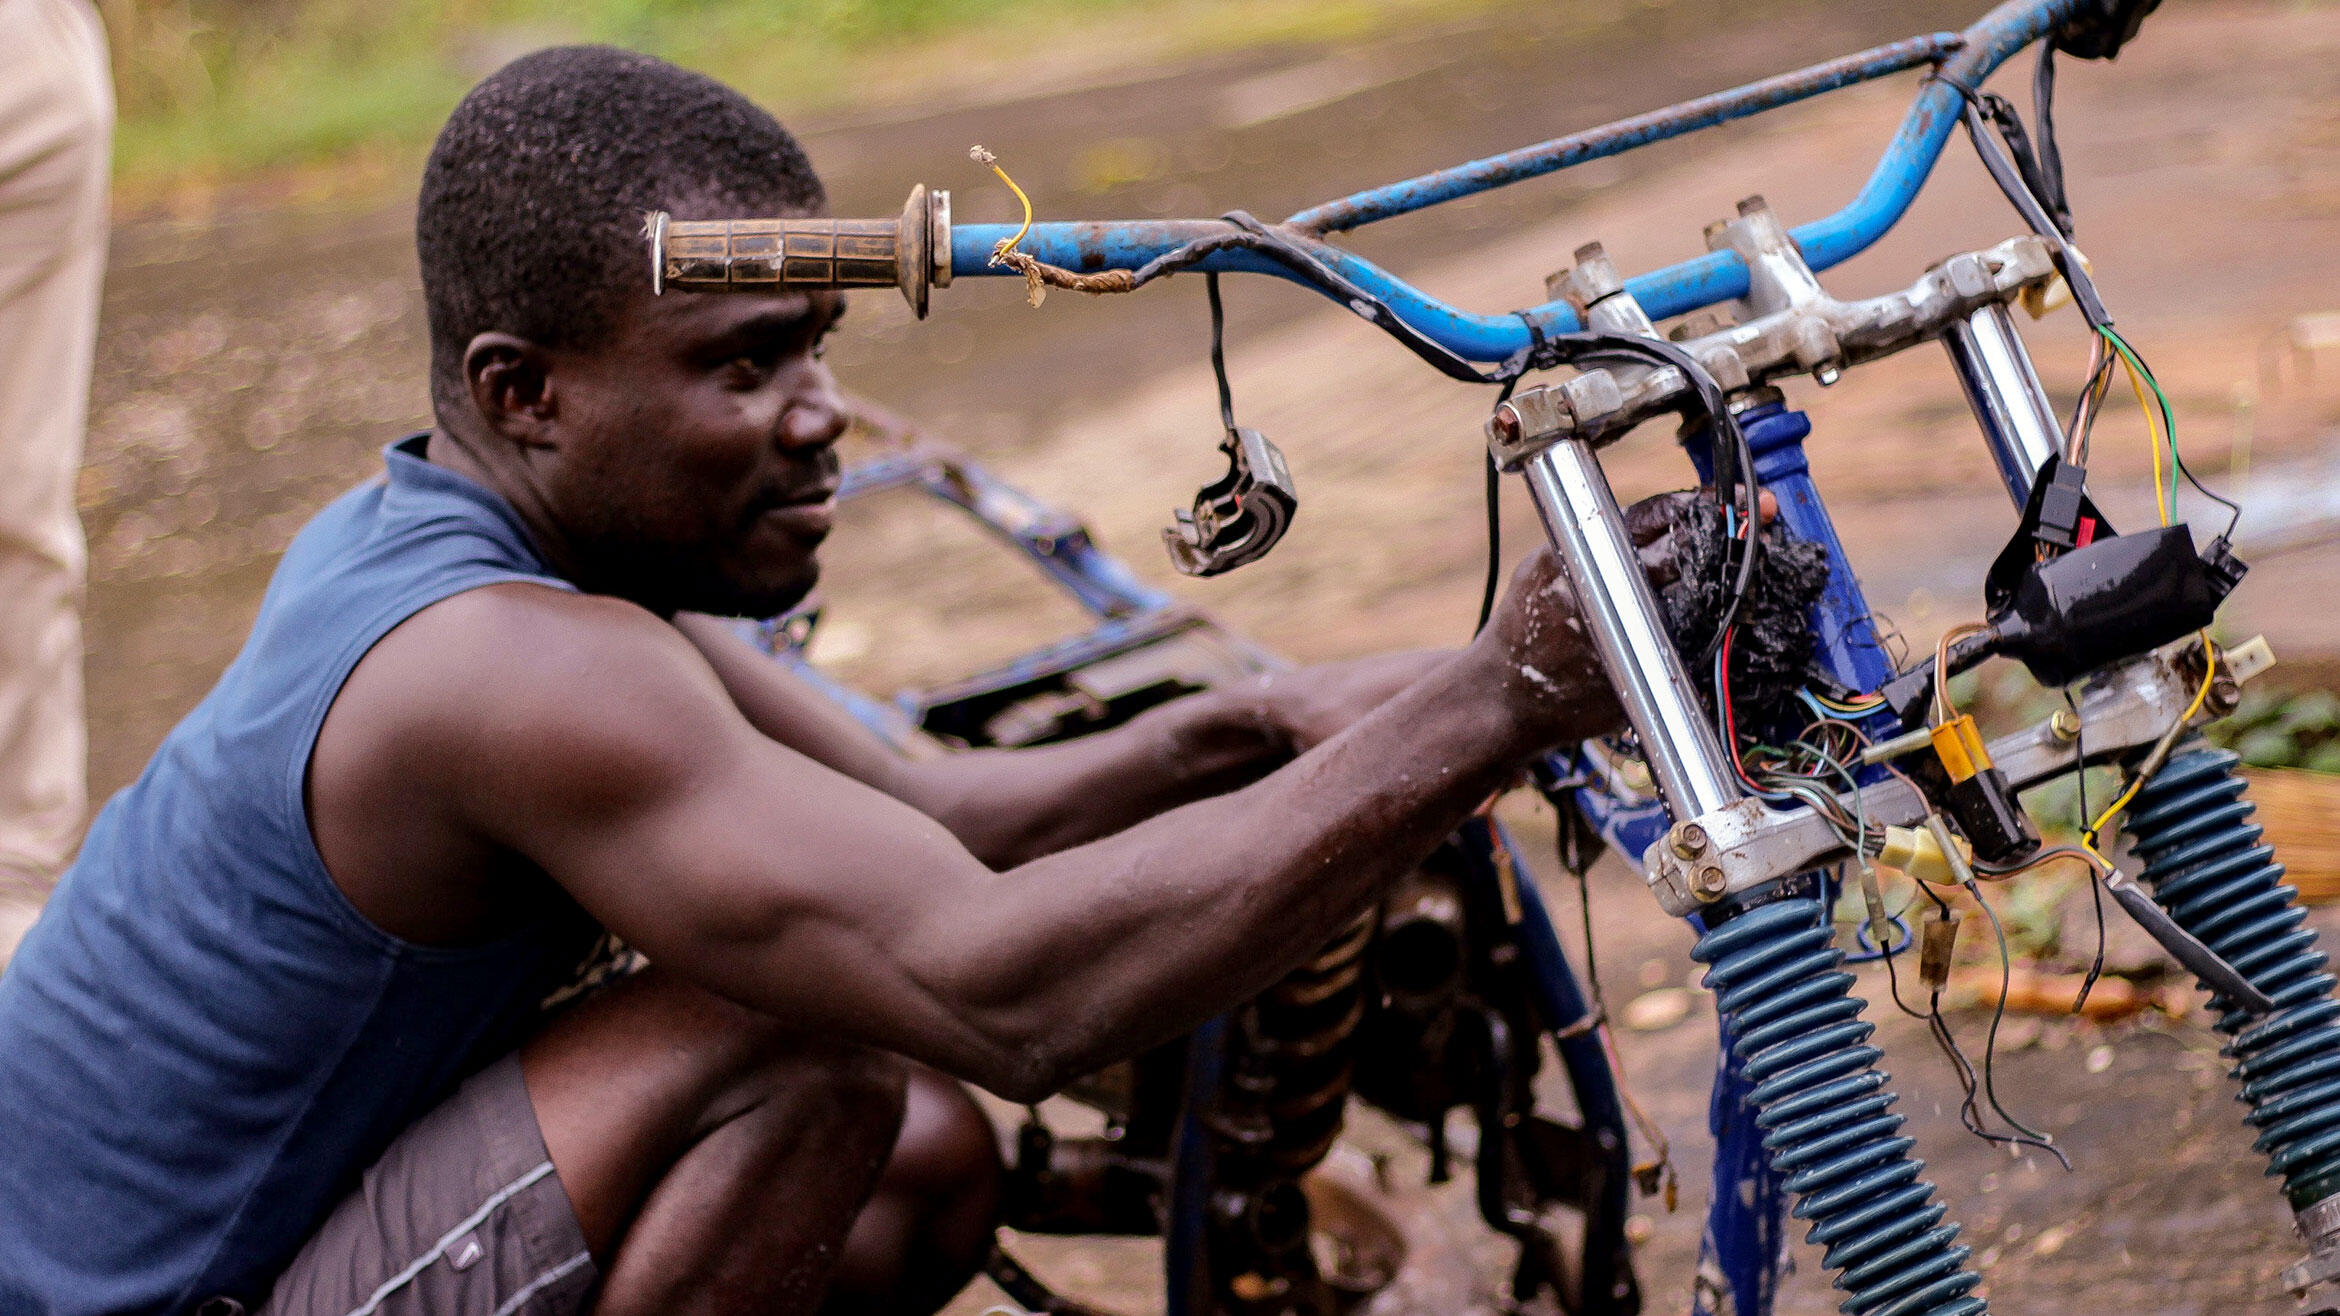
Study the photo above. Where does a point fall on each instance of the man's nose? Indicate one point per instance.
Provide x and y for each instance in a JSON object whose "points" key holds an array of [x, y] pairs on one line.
{"points": [[816, 415]]}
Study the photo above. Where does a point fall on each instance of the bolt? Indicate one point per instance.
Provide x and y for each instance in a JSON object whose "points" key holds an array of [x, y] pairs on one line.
{"points": [[1503, 427], [1709, 883], [1826, 375], [1689, 840], [1590, 251], [2225, 693], [1754, 205], [2065, 724], [1716, 230]]}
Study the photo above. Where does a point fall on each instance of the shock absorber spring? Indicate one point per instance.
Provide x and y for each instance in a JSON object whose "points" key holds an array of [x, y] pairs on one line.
{"points": [[2207, 862], [1825, 1107]]}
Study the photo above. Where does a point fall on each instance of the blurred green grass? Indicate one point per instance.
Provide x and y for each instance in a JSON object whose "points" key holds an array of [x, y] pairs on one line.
{"points": [[326, 95]]}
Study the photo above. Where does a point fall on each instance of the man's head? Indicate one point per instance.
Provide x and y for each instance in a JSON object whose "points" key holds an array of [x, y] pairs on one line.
{"points": [[673, 450]]}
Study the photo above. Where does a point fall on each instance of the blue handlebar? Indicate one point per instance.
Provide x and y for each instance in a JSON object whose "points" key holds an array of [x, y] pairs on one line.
{"points": [[1968, 58]]}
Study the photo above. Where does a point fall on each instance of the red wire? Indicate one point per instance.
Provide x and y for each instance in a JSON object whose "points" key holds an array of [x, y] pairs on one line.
{"points": [[1722, 681]]}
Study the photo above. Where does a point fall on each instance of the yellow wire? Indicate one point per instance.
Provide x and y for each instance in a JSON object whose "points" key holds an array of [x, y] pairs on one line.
{"points": [[2153, 434], [2096, 829], [988, 158]]}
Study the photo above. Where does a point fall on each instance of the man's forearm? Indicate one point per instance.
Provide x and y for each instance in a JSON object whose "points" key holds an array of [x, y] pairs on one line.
{"points": [[1090, 954], [1012, 806], [1009, 806]]}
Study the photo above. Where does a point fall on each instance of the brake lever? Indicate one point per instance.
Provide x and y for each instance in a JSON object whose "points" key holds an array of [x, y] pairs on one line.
{"points": [[1239, 517]]}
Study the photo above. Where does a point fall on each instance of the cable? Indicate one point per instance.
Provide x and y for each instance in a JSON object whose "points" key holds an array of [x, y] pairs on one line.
{"points": [[2025, 189], [1734, 456], [1660, 1150], [983, 157], [2084, 407], [2051, 158], [2233, 510], [1983, 109], [1219, 352], [2095, 829], [1494, 520], [2095, 877], [2025, 1135], [2155, 439], [1945, 710]]}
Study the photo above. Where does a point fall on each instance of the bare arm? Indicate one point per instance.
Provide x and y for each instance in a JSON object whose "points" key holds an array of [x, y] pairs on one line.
{"points": [[799, 891], [1013, 805]]}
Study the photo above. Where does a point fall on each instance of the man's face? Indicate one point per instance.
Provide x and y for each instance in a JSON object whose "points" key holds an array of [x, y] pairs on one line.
{"points": [[698, 468]]}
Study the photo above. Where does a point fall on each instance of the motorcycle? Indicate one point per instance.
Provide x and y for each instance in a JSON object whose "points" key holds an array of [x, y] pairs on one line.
{"points": [[1779, 754]]}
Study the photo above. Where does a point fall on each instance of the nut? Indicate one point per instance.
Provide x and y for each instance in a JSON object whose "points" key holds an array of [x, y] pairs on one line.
{"points": [[2065, 724]]}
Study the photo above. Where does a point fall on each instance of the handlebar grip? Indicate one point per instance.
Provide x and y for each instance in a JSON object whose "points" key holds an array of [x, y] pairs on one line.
{"points": [[911, 252]]}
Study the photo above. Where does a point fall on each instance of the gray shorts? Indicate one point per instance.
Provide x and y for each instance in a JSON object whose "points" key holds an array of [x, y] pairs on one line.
{"points": [[464, 1215]]}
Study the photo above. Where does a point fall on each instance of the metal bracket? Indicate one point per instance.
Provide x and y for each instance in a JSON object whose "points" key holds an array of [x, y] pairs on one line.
{"points": [[1788, 324], [1744, 845]]}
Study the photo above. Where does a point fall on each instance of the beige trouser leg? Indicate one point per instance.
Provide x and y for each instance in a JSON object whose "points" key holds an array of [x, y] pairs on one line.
{"points": [[56, 130]]}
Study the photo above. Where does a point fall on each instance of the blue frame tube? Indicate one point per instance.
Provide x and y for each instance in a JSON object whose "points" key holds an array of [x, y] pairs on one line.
{"points": [[1376, 204], [1715, 277]]}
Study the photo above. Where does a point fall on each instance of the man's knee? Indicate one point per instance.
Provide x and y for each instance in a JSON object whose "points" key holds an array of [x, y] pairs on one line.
{"points": [[853, 1088], [741, 1059], [850, 1096]]}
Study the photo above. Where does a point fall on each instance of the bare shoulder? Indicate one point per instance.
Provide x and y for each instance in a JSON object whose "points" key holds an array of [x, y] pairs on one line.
{"points": [[515, 696]]}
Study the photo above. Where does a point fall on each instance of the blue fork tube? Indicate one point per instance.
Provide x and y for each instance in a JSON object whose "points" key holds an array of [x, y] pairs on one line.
{"points": [[1850, 650], [1744, 1248]]}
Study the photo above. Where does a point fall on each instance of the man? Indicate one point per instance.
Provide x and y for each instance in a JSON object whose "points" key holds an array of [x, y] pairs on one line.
{"points": [[482, 716], [56, 123]]}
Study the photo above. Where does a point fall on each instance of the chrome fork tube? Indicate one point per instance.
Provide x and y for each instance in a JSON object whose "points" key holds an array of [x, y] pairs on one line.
{"points": [[1628, 630], [2016, 417]]}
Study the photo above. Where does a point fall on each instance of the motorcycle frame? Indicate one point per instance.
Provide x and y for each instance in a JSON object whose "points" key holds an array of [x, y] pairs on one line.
{"points": [[1743, 1249]]}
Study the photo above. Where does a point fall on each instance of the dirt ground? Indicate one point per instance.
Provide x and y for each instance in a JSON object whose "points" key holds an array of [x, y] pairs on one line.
{"points": [[250, 369]]}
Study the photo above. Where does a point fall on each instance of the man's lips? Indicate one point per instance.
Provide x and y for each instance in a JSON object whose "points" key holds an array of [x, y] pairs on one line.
{"points": [[810, 513]]}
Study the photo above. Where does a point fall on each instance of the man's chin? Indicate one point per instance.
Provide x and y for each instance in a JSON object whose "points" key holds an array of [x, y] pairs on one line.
{"points": [[754, 601]]}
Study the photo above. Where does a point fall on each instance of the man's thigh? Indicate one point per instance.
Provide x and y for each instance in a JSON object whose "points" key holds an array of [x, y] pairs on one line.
{"points": [[464, 1215]]}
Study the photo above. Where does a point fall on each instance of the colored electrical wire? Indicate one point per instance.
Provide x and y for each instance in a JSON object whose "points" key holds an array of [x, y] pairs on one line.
{"points": [[2095, 829], [983, 157], [2159, 435], [2169, 423], [2024, 1135], [1946, 709], [2095, 879]]}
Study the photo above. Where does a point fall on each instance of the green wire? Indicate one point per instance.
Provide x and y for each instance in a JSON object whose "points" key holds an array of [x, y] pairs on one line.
{"points": [[2168, 419]]}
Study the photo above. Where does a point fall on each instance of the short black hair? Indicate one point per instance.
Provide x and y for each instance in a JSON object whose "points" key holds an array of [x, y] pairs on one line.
{"points": [[530, 218]]}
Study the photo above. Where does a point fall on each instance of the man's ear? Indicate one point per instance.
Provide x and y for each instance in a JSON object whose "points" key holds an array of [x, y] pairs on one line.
{"points": [[510, 379]]}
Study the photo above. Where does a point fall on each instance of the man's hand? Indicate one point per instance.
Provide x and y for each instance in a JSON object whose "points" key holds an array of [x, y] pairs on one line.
{"points": [[1313, 704], [1537, 642]]}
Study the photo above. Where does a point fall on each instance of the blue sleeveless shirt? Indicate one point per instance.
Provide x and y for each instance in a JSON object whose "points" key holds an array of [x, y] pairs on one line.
{"points": [[202, 1043]]}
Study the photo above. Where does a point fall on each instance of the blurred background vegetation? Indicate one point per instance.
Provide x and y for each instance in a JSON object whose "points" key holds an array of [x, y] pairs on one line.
{"points": [[301, 97]]}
